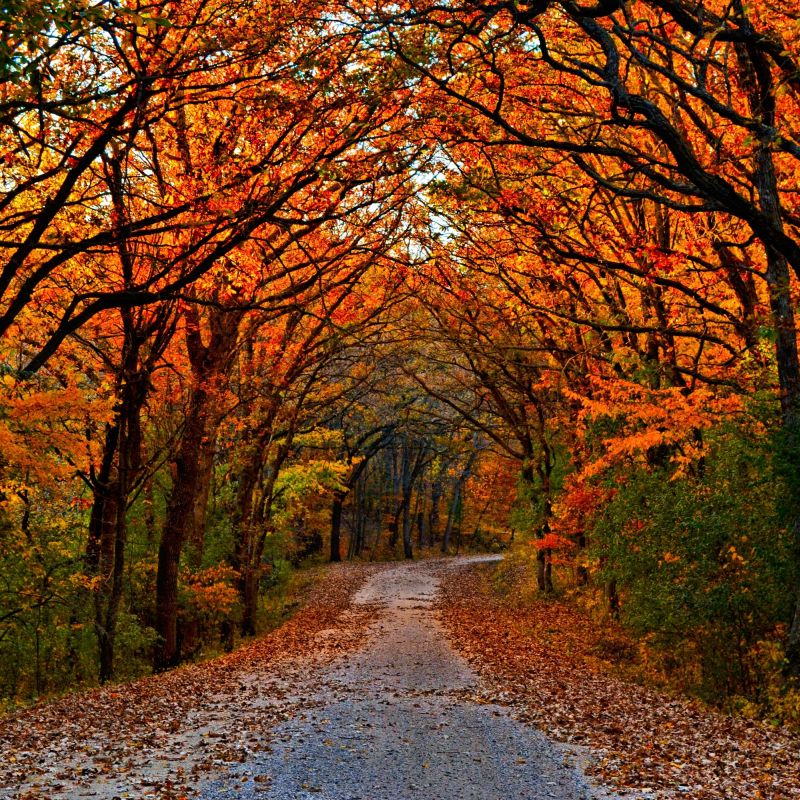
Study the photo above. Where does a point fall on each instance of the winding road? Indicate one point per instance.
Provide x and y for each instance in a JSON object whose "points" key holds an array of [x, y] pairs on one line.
{"points": [[399, 719]]}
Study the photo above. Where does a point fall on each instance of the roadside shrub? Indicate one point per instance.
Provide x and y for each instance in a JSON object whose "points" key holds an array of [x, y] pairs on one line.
{"points": [[704, 568]]}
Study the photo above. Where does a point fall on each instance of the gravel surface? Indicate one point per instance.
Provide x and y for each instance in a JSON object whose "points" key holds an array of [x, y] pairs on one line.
{"points": [[401, 719]]}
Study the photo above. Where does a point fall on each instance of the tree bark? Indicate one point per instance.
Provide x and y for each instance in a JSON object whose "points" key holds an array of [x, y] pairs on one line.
{"points": [[792, 669], [255, 501], [121, 463], [177, 524], [408, 550], [250, 581]]}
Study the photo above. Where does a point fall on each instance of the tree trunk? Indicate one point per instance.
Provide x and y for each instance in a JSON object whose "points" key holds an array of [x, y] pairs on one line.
{"points": [[108, 528], [105, 637], [548, 571], [127, 458], [407, 546], [792, 670], [336, 525], [363, 510], [255, 526], [103, 491], [177, 524], [169, 552], [582, 573], [251, 579], [541, 570], [205, 471], [451, 517], [192, 469], [760, 90], [613, 598], [356, 538], [433, 514]]}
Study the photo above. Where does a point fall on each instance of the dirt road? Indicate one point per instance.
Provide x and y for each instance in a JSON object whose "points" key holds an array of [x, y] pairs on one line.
{"points": [[399, 719]]}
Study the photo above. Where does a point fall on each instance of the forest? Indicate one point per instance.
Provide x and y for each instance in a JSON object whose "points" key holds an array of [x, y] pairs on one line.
{"points": [[287, 282]]}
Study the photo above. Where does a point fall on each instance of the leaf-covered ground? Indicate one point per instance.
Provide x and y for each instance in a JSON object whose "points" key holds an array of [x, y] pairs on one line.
{"points": [[156, 737], [163, 737], [539, 658]]}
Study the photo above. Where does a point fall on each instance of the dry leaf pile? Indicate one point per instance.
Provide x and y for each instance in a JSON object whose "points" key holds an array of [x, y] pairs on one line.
{"points": [[156, 737], [539, 658]]}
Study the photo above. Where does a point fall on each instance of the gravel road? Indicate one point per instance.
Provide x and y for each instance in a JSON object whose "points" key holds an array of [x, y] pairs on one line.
{"points": [[399, 719]]}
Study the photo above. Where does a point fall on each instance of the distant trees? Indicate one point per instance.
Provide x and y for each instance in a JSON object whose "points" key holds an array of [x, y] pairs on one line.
{"points": [[405, 450]]}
